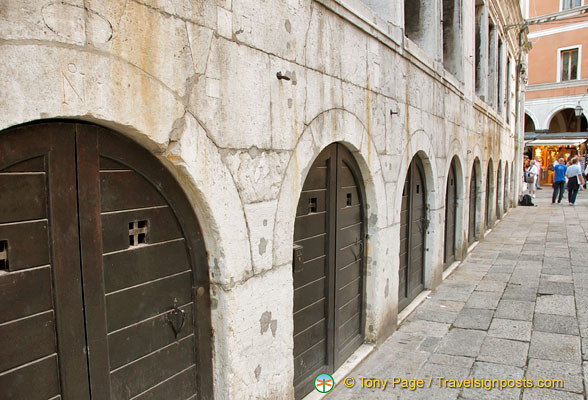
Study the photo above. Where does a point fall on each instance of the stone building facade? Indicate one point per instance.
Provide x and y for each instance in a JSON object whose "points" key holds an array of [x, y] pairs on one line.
{"points": [[237, 99]]}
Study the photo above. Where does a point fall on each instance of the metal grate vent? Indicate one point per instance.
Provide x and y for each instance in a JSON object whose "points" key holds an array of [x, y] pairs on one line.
{"points": [[137, 233]]}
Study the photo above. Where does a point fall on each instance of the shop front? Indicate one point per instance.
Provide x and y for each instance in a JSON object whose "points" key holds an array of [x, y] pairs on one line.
{"points": [[548, 151]]}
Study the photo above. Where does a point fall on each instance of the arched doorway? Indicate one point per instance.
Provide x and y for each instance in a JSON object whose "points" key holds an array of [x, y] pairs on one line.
{"points": [[472, 237], [413, 227], [529, 124], [105, 272], [566, 121], [450, 217], [498, 188], [328, 267], [489, 191]]}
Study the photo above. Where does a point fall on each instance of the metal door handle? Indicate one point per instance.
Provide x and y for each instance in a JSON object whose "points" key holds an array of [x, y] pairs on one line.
{"points": [[176, 318]]}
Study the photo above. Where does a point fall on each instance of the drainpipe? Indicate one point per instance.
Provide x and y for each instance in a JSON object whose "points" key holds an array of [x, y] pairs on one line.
{"points": [[518, 159]]}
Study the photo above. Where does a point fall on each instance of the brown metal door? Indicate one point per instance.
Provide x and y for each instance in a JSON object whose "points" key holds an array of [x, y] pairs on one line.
{"points": [[498, 186], [506, 194], [472, 207], [328, 267], [130, 303], [413, 226], [450, 214]]}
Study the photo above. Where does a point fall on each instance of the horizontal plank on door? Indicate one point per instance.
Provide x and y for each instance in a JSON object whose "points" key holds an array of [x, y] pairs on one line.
{"points": [[349, 235], [180, 386], [317, 178], [126, 307], [144, 263], [125, 190], [349, 310], [310, 225], [349, 291], [28, 244], [25, 293], [345, 177], [26, 339], [309, 337], [318, 197], [349, 273], [310, 293], [135, 341], [148, 371], [313, 247], [24, 196], [109, 164], [38, 380], [309, 316], [36, 164], [350, 254], [311, 271], [162, 226], [310, 359], [349, 329]]}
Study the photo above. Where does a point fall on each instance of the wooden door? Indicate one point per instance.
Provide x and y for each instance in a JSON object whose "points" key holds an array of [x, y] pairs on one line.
{"points": [[488, 194], [124, 251], [413, 226], [498, 187], [328, 267], [506, 194], [472, 207], [450, 217]]}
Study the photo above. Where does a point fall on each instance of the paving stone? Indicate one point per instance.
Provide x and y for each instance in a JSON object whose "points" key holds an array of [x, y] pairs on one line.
{"points": [[491, 286], [555, 324], [571, 374], [555, 347], [504, 351], [425, 328], [446, 359], [510, 329], [556, 262], [497, 276], [557, 278], [556, 304], [515, 309], [435, 316], [517, 292], [486, 300], [584, 349], [474, 318], [484, 370], [462, 342], [556, 271]]}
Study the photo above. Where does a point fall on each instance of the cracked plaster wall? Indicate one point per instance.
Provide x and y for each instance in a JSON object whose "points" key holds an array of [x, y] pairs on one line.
{"points": [[195, 82]]}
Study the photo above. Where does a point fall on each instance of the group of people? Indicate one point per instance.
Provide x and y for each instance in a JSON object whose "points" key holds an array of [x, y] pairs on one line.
{"points": [[568, 176]]}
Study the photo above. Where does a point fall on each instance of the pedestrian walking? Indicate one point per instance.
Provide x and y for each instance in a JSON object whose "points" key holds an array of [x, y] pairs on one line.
{"points": [[559, 181], [538, 178], [532, 175], [575, 179]]}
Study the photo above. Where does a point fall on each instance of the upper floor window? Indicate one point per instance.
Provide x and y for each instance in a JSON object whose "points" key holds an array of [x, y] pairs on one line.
{"points": [[569, 64], [565, 4]]}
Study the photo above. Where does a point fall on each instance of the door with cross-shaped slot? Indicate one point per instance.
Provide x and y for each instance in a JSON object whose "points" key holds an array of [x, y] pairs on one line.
{"points": [[328, 265], [413, 227], [103, 271]]}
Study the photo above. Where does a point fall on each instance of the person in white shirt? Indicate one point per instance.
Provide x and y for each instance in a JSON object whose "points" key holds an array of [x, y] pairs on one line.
{"points": [[532, 176], [574, 174]]}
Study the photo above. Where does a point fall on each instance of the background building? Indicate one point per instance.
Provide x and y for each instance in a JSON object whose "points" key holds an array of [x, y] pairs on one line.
{"points": [[228, 196], [558, 80]]}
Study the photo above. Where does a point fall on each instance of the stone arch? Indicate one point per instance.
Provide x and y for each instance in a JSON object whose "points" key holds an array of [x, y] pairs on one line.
{"points": [[338, 125], [565, 120], [489, 194], [498, 210], [530, 125], [476, 166], [460, 221], [421, 146]]}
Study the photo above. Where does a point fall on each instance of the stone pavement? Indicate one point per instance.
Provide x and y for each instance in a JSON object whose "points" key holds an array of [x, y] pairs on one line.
{"points": [[516, 308]]}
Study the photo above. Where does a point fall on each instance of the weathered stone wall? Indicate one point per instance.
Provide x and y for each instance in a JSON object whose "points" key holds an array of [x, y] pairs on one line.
{"points": [[195, 82]]}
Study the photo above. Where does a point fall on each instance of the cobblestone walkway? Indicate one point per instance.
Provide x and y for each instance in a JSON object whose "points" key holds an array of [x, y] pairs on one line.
{"points": [[516, 308]]}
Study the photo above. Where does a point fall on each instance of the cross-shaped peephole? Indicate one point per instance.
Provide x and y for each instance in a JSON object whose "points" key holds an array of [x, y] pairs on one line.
{"points": [[137, 232]]}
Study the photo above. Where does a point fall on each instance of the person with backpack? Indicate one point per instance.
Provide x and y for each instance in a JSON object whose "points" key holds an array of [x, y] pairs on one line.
{"points": [[575, 179], [532, 175], [559, 181]]}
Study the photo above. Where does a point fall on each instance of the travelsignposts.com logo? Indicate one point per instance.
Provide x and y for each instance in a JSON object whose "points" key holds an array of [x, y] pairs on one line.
{"points": [[324, 383]]}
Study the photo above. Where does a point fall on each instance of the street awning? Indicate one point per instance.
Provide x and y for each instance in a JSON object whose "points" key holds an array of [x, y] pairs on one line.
{"points": [[554, 142]]}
